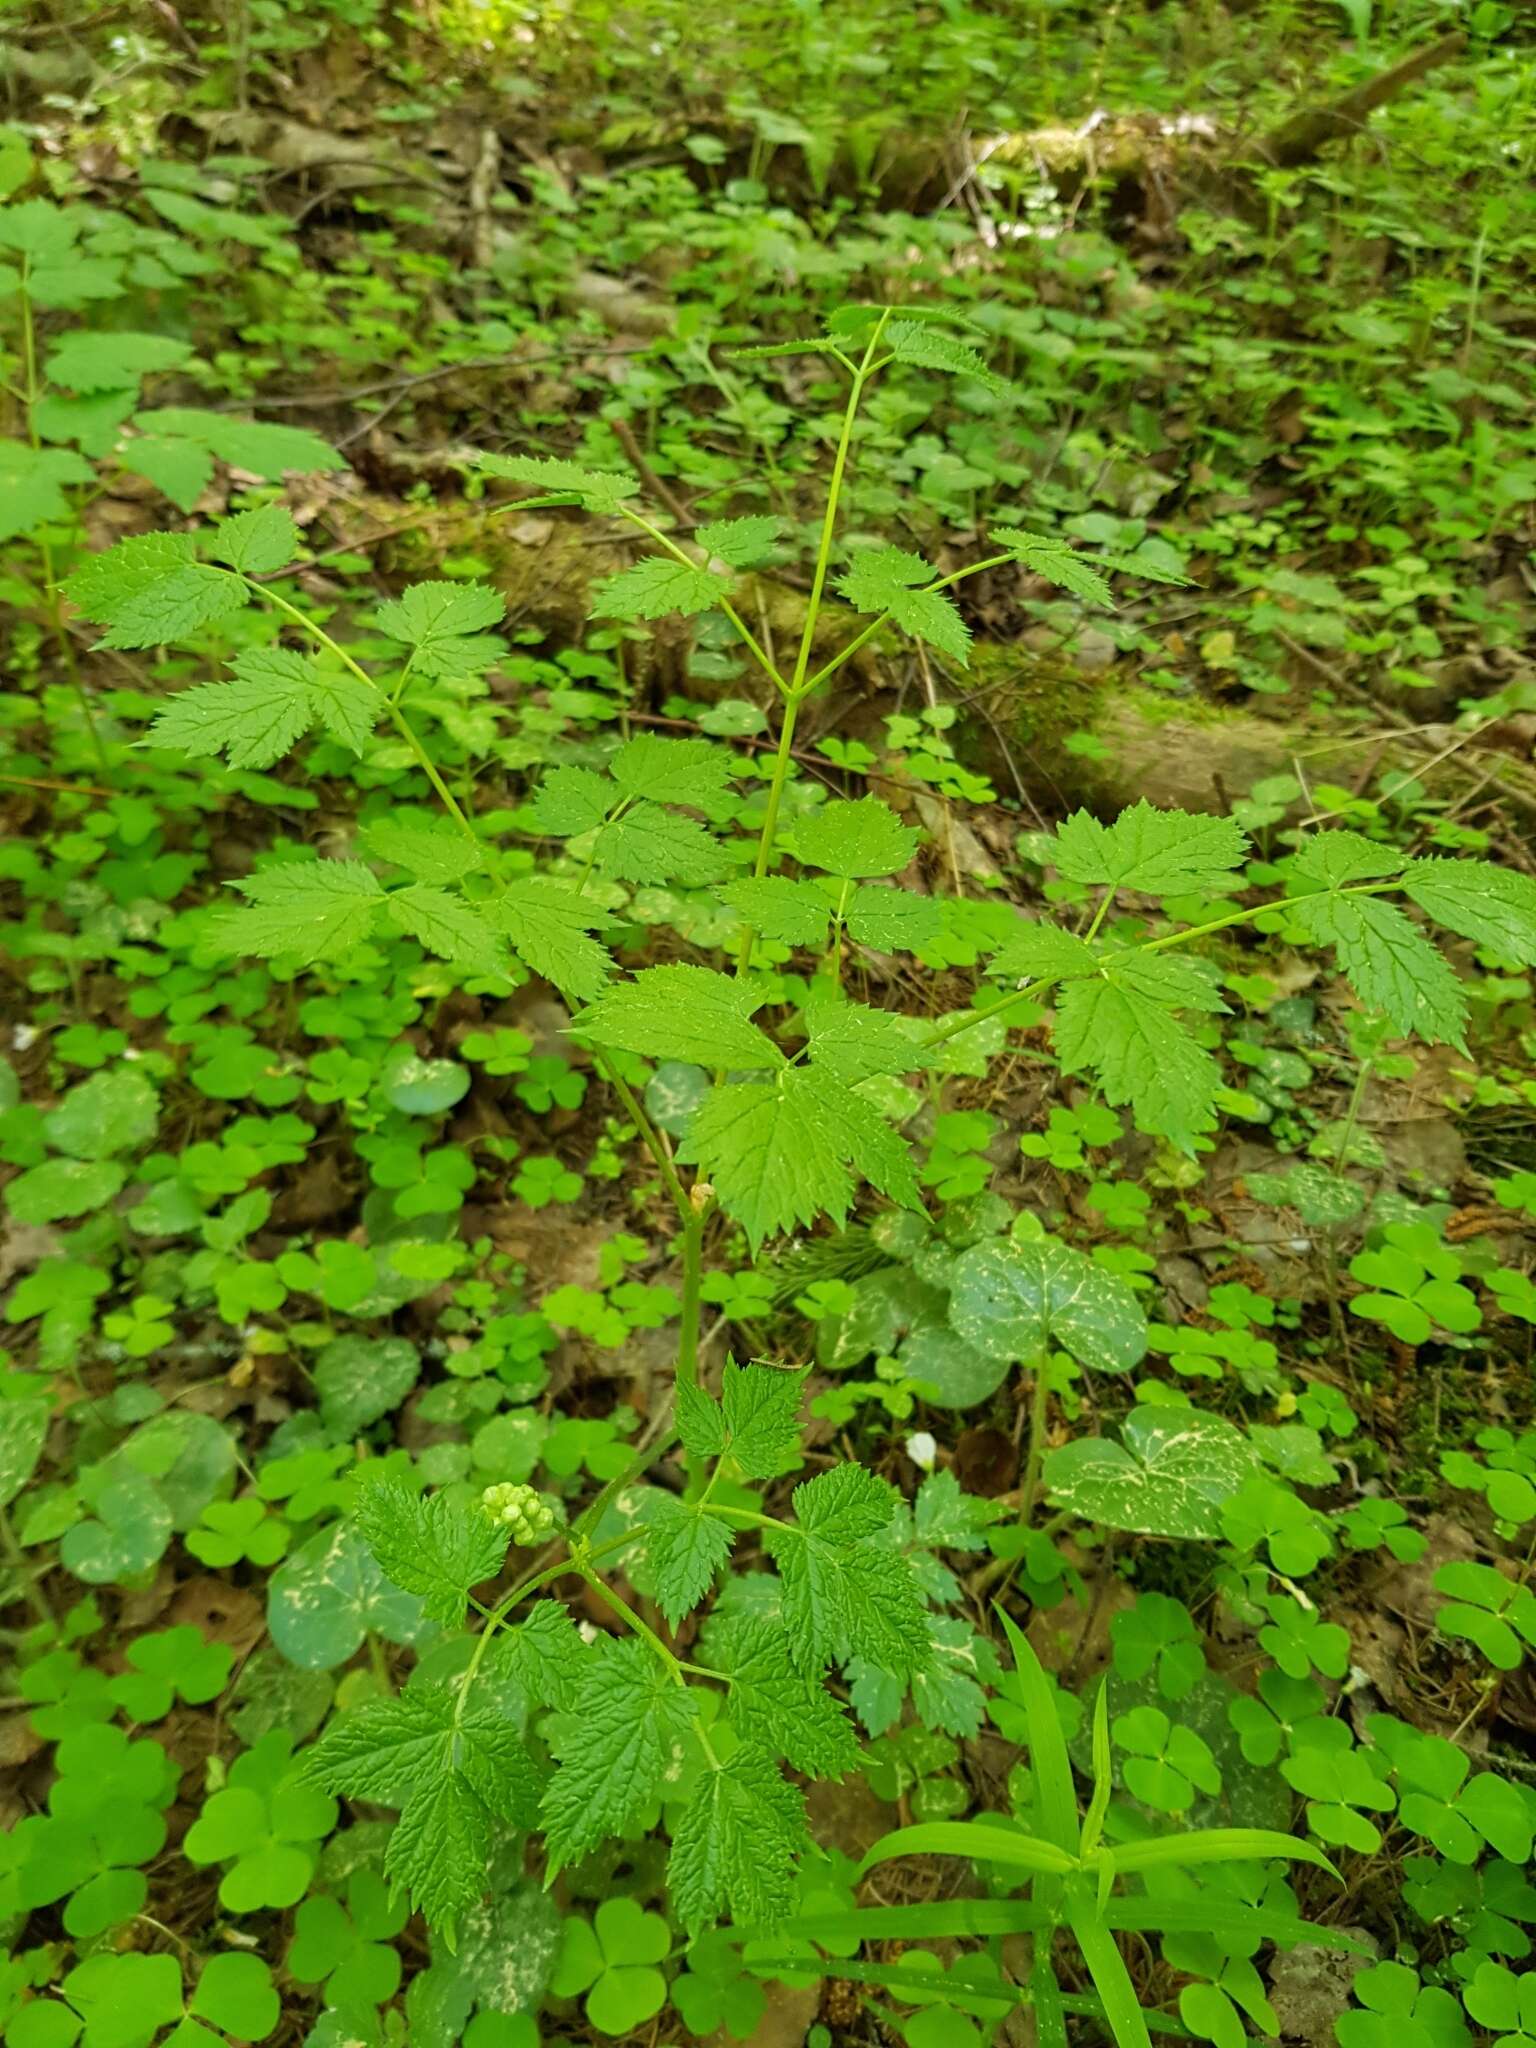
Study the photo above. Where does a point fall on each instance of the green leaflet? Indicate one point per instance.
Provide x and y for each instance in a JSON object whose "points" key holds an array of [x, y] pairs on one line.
{"points": [[755, 1422], [1389, 964], [734, 1845], [86, 361], [844, 1596], [452, 1773], [666, 771], [927, 347], [273, 698], [1058, 563], [444, 625], [1157, 853], [739, 543], [309, 910], [887, 579], [1142, 1055], [543, 1655], [854, 840], [1495, 907], [547, 925], [686, 1548], [855, 1043], [256, 543], [430, 1547], [1044, 952], [681, 1013], [563, 483], [150, 591], [777, 1705], [785, 1150], [433, 852], [658, 586], [32, 485], [615, 1746]]}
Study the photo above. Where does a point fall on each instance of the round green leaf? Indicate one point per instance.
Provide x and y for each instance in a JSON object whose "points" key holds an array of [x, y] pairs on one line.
{"points": [[957, 1373], [1013, 1301], [330, 1594], [23, 1427], [60, 1188], [1168, 1478], [235, 1992], [360, 1379], [114, 1111], [423, 1087]]}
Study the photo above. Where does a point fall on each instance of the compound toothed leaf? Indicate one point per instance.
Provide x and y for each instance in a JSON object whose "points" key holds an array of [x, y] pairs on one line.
{"points": [[774, 1703], [308, 910], [1142, 1055], [843, 1595], [253, 719], [681, 1013], [889, 580], [754, 1422], [149, 591], [1494, 907], [1158, 853], [1391, 966], [548, 926], [445, 626], [779, 1152], [685, 1549], [928, 348], [658, 587], [430, 1547], [854, 840], [563, 483], [32, 485], [1044, 555], [616, 1747], [449, 927], [739, 543], [735, 1842], [431, 852], [256, 542], [693, 772]]}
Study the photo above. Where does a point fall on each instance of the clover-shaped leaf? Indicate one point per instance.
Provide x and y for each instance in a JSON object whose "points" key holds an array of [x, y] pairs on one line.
{"points": [[1485, 1608], [1168, 1477], [347, 1947], [231, 1530], [1399, 2012], [1014, 1300], [176, 1662], [264, 1824], [613, 1960], [1158, 1635], [1164, 1763]]}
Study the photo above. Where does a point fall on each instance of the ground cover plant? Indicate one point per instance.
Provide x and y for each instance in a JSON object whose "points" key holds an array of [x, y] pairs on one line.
{"points": [[766, 1128]]}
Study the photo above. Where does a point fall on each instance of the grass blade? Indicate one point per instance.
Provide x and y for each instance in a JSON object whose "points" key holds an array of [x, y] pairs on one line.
{"points": [[973, 1839], [1220, 1845], [1055, 1791], [1111, 1979]]}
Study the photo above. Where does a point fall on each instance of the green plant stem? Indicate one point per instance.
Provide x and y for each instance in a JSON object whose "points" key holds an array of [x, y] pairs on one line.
{"points": [[693, 1274], [497, 1616], [29, 396], [1034, 1457], [26, 1576], [829, 517], [743, 630], [635, 1624]]}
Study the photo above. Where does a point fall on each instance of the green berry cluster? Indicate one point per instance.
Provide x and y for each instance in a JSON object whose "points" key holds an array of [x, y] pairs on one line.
{"points": [[530, 1517]]}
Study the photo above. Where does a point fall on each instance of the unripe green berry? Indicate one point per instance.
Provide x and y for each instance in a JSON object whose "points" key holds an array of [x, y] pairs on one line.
{"points": [[529, 1516]]}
